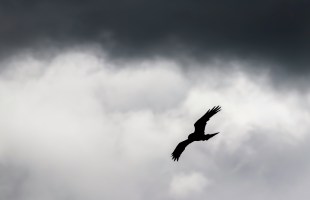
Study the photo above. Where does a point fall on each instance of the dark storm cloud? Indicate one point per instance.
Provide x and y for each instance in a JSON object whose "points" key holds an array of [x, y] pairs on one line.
{"points": [[272, 30]]}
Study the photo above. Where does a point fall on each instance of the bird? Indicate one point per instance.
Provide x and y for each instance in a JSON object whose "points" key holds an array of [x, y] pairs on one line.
{"points": [[198, 134]]}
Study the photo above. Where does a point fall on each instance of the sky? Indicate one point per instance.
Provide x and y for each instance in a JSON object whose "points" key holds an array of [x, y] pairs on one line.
{"points": [[95, 96]]}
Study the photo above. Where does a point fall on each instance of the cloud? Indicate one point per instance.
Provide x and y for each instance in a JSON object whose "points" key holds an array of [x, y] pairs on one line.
{"points": [[260, 31], [81, 126], [187, 185]]}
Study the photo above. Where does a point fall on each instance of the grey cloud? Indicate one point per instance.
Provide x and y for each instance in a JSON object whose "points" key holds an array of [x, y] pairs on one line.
{"points": [[12, 179], [265, 166], [61, 140], [265, 31]]}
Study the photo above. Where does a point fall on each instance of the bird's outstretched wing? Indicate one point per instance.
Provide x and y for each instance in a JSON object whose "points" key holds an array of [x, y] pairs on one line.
{"points": [[179, 149], [201, 123]]}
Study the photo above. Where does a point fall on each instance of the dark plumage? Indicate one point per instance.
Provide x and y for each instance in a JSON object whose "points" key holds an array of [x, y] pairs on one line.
{"points": [[199, 133]]}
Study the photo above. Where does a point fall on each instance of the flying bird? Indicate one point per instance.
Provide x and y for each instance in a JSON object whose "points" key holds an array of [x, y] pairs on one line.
{"points": [[199, 133]]}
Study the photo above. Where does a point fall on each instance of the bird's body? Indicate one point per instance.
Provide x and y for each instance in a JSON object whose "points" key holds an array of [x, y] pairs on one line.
{"points": [[198, 137], [199, 133]]}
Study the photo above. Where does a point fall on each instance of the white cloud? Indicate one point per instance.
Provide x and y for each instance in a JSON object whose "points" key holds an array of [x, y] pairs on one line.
{"points": [[79, 126], [185, 185]]}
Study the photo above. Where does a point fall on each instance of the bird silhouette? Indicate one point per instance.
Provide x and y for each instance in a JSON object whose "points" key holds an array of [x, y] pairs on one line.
{"points": [[199, 133]]}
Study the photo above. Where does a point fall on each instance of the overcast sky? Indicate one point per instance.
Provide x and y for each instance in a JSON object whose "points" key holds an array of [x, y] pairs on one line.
{"points": [[95, 95]]}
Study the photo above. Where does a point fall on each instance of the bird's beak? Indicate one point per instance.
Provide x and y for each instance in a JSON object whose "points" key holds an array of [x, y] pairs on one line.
{"points": [[214, 134]]}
